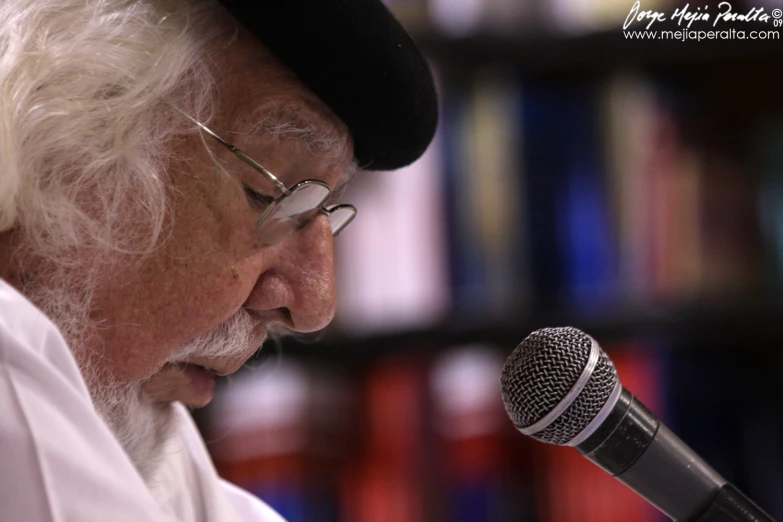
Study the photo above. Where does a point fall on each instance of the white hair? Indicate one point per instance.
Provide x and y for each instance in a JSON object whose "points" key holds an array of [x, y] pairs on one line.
{"points": [[82, 139], [86, 128], [85, 133]]}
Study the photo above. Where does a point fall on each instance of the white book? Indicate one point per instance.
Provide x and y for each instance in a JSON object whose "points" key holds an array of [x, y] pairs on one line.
{"points": [[391, 262]]}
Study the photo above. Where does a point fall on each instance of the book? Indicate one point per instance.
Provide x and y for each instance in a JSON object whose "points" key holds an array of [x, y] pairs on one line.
{"points": [[391, 264], [269, 434], [484, 465], [387, 480], [572, 248]]}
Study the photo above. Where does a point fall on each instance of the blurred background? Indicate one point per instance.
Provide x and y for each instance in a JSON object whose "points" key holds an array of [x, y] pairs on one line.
{"points": [[632, 188]]}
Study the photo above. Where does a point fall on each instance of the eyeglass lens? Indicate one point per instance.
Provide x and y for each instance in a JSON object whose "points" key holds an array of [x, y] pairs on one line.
{"points": [[340, 216], [298, 208], [293, 211]]}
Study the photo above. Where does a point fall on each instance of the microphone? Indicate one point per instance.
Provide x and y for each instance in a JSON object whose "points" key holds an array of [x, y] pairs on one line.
{"points": [[560, 387]]}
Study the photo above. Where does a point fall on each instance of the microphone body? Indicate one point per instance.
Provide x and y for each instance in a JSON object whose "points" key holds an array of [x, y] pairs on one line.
{"points": [[642, 453], [591, 411]]}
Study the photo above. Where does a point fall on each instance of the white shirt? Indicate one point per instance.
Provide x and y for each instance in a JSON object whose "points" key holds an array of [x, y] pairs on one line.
{"points": [[60, 463]]}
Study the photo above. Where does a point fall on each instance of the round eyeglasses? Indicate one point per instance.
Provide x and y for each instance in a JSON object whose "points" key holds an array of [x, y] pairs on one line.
{"points": [[296, 206]]}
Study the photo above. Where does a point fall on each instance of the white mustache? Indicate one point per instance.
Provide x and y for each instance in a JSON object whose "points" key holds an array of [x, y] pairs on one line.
{"points": [[229, 339]]}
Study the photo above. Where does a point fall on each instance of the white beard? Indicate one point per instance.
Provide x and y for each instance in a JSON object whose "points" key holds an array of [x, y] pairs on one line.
{"points": [[141, 425]]}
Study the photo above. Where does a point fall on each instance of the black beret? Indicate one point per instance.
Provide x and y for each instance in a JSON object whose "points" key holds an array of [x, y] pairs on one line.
{"points": [[360, 61]]}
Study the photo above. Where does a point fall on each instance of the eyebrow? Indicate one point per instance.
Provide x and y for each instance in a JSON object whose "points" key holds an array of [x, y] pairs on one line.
{"points": [[286, 122]]}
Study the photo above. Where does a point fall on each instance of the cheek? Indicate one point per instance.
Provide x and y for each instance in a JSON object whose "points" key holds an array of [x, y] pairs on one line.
{"points": [[208, 265], [174, 308], [197, 282]]}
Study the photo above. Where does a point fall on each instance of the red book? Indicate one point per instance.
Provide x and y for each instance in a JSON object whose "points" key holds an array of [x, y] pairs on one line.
{"points": [[386, 482]]}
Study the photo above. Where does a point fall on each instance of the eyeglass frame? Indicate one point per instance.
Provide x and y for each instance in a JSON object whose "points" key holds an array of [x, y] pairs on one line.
{"points": [[286, 191]]}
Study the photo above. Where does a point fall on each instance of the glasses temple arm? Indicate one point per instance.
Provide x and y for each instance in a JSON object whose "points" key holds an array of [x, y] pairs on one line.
{"points": [[238, 152], [253, 163]]}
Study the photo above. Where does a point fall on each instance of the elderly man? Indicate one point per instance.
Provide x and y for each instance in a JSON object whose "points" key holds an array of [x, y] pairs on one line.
{"points": [[169, 182]]}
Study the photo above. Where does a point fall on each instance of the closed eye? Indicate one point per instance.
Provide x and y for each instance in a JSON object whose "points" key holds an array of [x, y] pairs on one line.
{"points": [[256, 198]]}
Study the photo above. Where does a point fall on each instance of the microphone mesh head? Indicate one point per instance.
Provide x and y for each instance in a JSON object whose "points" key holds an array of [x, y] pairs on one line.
{"points": [[541, 372]]}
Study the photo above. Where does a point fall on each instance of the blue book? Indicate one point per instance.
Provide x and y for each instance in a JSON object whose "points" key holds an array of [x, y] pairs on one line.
{"points": [[573, 254], [467, 270], [298, 503], [587, 239]]}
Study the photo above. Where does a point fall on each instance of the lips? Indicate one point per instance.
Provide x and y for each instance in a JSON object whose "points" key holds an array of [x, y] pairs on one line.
{"points": [[202, 384], [189, 384], [184, 366], [217, 367], [192, 380]]}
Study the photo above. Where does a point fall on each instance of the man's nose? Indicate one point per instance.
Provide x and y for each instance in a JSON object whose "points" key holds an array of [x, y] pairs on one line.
{"points": [[308, 261], [295, 285]]}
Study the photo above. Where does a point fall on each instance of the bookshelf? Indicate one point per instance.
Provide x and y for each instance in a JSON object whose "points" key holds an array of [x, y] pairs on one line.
{"points": [[680, 282]]}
